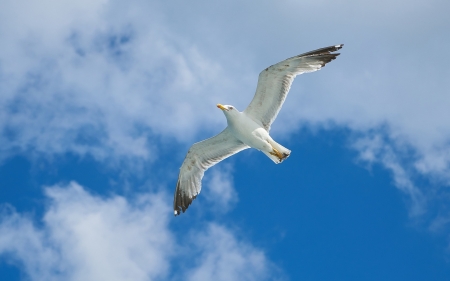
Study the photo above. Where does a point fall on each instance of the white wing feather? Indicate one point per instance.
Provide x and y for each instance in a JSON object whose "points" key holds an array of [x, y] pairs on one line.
{"points": [[275, 81], [200, 157]]}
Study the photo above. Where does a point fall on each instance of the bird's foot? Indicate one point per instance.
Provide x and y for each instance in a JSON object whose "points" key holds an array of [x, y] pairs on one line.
{"points": [[278, 154]]}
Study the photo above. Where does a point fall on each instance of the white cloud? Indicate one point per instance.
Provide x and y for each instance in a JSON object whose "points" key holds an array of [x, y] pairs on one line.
{"points": [[225, 258], [86, 237], [219, 188], [100, 78], [21, 244], [374, 150]]}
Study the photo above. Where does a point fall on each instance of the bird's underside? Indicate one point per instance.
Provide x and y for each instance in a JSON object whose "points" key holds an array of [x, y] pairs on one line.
{"points": [[249, 128]]}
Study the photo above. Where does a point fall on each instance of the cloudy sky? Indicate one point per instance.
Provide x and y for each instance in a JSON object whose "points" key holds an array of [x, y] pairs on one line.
{"points": [[101, 99]]}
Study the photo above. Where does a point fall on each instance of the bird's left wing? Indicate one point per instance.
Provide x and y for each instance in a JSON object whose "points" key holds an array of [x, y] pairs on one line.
{"points": [[275, 81], [200, 157]]}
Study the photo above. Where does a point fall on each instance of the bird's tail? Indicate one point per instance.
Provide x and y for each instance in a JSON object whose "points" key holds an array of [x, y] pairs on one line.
{"points": [[279, 154]]}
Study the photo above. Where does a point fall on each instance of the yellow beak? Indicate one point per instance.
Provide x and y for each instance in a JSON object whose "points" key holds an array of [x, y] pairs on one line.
{"points": [[221, 106]]}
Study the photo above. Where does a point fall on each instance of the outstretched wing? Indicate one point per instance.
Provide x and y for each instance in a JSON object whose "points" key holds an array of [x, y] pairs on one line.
{"points": [[275, 81], [200, 157]]}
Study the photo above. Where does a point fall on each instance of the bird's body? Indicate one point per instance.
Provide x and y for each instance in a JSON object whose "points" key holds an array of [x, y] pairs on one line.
{"points": [[249, 128], [249, 132]]}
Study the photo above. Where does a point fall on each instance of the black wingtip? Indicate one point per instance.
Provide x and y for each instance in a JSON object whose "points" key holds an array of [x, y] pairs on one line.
{"points": [[323, 51], [183, 204], [181, 201]]}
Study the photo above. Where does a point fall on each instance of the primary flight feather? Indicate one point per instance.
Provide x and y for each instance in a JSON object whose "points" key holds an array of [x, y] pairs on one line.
{"points": [[249, 128]]}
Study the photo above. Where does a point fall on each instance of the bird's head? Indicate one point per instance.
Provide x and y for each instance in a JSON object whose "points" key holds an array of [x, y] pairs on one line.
{"points": [[228, 110]]}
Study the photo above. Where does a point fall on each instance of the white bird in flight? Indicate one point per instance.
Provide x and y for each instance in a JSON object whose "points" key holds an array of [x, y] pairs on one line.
{"points": [[249, 128]]}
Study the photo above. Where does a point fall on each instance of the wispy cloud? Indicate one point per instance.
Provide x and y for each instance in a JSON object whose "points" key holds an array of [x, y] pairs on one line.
{"points": [[219, 188], [226, 258], [373, 150], [86, 237]]}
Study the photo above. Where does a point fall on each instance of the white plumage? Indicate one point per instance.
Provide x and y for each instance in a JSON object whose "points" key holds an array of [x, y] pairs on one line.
{"points": [[249, 128]]}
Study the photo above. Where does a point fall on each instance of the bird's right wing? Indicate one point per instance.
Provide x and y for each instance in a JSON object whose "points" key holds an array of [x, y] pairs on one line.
{"points": [[200, 157], [275, 81]]}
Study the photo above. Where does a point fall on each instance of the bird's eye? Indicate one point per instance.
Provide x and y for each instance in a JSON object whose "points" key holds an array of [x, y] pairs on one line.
{"points": [[230, 107]]}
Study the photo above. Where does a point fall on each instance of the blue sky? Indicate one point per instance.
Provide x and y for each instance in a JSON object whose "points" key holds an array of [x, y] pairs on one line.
{"points": [[100, 101]]}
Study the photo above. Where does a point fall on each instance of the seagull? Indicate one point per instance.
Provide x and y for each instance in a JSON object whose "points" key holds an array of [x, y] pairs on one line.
{"points": [[249, 128]]}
